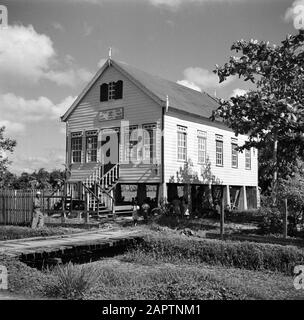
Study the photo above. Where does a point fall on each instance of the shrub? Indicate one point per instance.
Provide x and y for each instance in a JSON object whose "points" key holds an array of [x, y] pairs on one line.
{"points": [[72, 281], [272, 221], [246, 255]]}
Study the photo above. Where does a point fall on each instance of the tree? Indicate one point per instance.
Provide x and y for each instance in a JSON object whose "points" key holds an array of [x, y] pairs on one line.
{"points": [[6, 145], [273, 113]]}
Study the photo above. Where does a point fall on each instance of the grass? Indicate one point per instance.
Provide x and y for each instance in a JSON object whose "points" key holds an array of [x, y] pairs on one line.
{"points": [[170, 265], [17, 232]]}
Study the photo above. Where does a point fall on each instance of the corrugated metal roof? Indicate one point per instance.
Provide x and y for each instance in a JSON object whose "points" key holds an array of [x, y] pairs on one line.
{"points": [[180, 97]]}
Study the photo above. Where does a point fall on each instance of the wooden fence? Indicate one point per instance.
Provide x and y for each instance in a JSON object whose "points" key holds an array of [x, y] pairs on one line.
{"points": [[16, 206]]}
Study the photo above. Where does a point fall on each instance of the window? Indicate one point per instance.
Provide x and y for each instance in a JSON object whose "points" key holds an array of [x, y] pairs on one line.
{"points": [[91, 146], [234, 155], [247, 159], [149, 138], [181, 143], [76, 147], [111, 91], [130, 143], [201, 139], [219, 150]]}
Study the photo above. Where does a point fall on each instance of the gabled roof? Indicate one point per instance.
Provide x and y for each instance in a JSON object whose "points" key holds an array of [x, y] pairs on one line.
{"points": [[181, 98]]}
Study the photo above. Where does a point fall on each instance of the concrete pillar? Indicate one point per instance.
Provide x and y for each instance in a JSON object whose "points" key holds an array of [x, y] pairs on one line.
{"points": [[243, 199], [162, 193], [227, 196]]}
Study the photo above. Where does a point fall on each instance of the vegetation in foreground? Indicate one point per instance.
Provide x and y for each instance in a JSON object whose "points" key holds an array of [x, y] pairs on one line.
{"points": [[17, 232], [169, 266]]}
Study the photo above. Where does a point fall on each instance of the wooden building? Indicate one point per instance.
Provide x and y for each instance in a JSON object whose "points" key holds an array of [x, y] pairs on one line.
{"points": [[130, 134]]}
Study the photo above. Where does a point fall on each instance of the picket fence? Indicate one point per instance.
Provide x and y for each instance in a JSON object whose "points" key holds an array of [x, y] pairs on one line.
{"points": [[16, 206]]}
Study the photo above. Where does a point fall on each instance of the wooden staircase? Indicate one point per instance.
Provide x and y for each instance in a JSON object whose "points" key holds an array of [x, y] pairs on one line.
{"points": [[98, 190]]}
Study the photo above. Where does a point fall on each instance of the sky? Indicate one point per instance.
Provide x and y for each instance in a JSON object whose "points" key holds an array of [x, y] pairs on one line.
{"points": [[52, 48]]}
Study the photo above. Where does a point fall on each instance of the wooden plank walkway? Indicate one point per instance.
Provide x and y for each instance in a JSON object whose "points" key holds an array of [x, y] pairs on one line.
{"points": [[34, 246]]}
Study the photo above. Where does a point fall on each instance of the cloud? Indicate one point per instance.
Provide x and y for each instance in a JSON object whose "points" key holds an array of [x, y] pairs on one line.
{"points": [[101, 62], [53, 160], [238, 92], [87, 29], [28, 57], [202, 78], [58, 26], [17, 112], [189, 84], [295, 13], [12, 127]]}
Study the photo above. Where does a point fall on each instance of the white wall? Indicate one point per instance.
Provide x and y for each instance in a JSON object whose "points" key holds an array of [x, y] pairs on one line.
{"points": [[226, 174]]}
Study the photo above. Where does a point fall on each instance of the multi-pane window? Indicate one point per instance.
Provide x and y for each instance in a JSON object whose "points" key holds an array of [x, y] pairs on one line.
{"points": [[130, 143], [91, 146], [181, 143], [247, 159], [111, 91], [149, 138], [234, 155], [219, 150], [76, 147], [202, 141]]}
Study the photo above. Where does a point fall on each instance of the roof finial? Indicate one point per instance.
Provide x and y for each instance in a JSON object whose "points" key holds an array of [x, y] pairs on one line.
{"points": [[215, 93], [167, 103], [110, 56]]}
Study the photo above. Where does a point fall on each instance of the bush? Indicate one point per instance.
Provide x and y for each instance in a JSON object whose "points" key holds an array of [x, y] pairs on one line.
{"points": [[246, 255], [272, 221], [71, 281]]}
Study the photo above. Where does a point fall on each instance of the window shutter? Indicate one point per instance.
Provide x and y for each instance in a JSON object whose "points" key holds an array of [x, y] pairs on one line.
{"points": [[118, 89], [104, 92]]}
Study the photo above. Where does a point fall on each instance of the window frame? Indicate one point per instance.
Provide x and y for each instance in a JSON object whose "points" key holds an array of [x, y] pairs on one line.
{"points": [[234, 144], [111, 91], [127, 131], [182, 132], [247, 152], [219, 139], [88, 135], [201, 137], [151, 128], [76, 136]]}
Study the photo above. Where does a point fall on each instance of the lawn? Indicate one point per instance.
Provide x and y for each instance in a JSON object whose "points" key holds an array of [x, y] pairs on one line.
{"points": [[17, 232], [172, 263]]}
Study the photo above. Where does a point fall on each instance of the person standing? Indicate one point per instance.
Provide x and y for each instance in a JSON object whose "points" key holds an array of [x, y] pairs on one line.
{"points": [[38, 218], [135, 214]]}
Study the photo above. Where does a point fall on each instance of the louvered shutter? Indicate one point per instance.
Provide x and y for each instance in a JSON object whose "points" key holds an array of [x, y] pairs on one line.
{"points": [[118, 89], [104, 92]]}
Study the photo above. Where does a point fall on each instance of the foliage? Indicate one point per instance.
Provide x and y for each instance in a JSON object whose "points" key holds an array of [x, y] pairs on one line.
{"points": [[41, 179], [72, 281], [17, 232], [247, 255], [6, 145], [274, 110]]}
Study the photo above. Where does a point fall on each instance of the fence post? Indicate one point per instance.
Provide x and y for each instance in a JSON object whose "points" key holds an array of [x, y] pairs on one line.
{"points": [[87, 217], [222, 215], [285, 219]]}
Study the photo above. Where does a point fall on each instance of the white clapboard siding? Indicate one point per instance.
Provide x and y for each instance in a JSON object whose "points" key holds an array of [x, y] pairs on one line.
{"points": [[138, 107], [225, 175]]}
